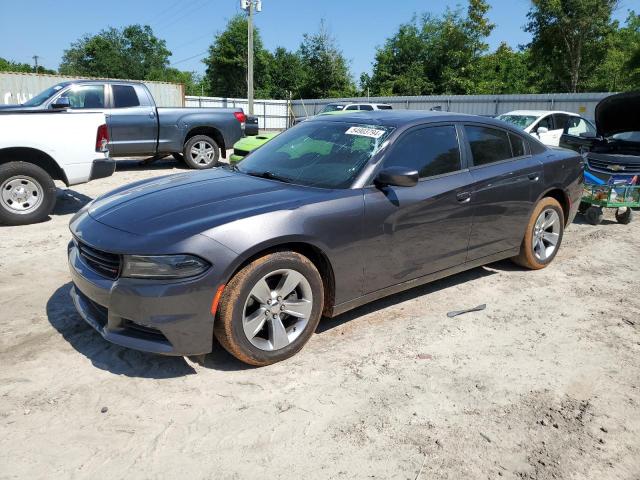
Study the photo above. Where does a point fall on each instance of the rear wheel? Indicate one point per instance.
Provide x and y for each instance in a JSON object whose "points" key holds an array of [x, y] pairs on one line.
{"points": [[201, 152], [624, 215], [543, 235], [27, 193], [270, 308]]}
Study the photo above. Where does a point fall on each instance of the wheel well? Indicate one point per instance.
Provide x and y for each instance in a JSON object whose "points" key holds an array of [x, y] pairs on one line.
{"points": [[209, 132], [35, 157], [562, 199], [317, 257]]}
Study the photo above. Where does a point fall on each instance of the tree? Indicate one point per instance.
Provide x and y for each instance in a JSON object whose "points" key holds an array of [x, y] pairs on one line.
{"points": [[11, 66], [325, 70], [226, 63], [504, 71], [133, 53], [569, 40], [194, 84], [286, 73], [432, 55]]}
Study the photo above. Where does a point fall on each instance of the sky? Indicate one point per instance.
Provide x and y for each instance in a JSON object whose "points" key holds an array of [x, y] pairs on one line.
{"points": [[46, 28]]}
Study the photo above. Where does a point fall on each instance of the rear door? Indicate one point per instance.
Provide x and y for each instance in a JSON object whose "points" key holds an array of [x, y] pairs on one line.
{"points": [[133, 125], [414, 231], [507, 180], [578, 134]]}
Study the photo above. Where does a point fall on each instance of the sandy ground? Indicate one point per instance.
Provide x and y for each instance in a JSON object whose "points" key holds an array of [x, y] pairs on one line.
{"points": [[543, 384]]}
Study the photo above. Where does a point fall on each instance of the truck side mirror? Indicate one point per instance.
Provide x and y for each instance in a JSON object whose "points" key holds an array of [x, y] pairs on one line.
{"points": [[61, 103]]}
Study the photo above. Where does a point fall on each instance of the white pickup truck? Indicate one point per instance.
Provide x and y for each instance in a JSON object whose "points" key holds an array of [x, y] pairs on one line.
{"points": [[37, 148]]}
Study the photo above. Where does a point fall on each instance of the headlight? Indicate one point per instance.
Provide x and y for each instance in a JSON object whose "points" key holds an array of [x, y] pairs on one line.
{"points": [[163, 266]]}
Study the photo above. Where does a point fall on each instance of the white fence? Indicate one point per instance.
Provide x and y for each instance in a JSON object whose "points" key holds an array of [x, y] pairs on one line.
{"points": [[19, 87], [278, 114]]}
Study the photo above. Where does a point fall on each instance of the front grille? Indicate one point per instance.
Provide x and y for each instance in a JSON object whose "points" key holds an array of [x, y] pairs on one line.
{"points": [[104, 263], [609, 165]]}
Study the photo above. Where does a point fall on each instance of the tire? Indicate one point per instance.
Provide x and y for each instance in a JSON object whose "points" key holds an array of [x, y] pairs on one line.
{"points": [[594, 215], [625, 217], [241, 311], [545, 226], [27, 194], [583, 207], [208, 156]]}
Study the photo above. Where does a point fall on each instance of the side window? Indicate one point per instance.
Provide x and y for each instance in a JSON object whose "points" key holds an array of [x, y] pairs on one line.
{"points": [[560, 121], [577, 125], [85, 96], [545, 122], [488, 145], [124, 96], [517, 145], [384, 107], [430, 150], [352, 107], [366, 107]]}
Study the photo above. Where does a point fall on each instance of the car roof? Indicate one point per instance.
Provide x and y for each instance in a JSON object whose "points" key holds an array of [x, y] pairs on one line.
{"points": [[402, 118], [538, 113], [111, 81]]}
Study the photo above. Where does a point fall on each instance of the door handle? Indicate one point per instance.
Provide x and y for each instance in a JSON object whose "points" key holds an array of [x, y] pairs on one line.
{"points": [[534, 177], [463, 197]]}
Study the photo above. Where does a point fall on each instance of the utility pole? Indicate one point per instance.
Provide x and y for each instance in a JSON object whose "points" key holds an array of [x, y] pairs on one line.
{"points": [[35, 59], [250, 6]]}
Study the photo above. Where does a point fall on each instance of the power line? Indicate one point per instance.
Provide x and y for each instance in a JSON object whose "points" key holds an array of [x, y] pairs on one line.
{"points": [[189, 58], [172, 22]]}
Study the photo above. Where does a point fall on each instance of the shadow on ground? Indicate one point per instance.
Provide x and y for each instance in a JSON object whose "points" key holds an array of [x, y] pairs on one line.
{"points": [[143, 163], [69, 201]]}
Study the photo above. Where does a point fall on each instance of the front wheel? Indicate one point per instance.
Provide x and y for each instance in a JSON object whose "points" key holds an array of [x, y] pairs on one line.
{"points": [[270, 308], [27, 193], [201, 152], [543, 235]]}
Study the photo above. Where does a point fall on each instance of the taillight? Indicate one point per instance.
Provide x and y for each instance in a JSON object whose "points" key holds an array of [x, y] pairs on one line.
{"points": [[240, 116], [102, 139]]}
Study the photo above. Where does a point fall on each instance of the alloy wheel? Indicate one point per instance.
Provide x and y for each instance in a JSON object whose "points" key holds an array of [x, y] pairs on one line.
{"points": [[277, 309], [202, 153], [546, 234]]}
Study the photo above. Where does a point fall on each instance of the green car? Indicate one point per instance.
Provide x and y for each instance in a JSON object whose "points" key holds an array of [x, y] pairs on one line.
{"points": [[248, 144]]}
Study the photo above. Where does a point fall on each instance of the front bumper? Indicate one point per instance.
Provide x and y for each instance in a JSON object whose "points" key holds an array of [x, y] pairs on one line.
{"points": [[171, 318]]}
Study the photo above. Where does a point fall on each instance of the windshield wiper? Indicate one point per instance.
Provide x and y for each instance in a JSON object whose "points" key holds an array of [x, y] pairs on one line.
{"points": [[270, 176]]}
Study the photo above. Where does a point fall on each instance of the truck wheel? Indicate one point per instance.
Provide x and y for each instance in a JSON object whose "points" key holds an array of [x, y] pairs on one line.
{"points": [[27, 193], [624, 216], [543, 235], [201, 152]]}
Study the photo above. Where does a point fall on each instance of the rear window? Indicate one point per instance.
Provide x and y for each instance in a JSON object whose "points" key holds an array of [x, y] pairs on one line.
{"points": [[384, 107], [124, 96], [488, 145], [517, 145]]}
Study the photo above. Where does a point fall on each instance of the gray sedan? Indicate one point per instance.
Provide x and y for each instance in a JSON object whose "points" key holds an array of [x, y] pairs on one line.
{"points": [[331, 214]]}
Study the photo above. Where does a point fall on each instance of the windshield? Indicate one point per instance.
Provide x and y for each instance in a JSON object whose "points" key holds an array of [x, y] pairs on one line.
{"points": [[319, 154], [332, 107], [43, 96], [520, 121]]}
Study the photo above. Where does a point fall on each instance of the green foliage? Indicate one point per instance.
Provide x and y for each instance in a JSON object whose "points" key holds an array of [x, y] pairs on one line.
{"points": [[325, 70], [286, 74], [504, 71], [11, 66], [194, 84], [227, 62], [569, 41], [433, 55], [132, 53]]}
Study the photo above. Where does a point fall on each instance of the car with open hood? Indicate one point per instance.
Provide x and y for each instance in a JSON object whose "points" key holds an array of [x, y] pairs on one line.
{"points": [[331, 214], [614, 149]]}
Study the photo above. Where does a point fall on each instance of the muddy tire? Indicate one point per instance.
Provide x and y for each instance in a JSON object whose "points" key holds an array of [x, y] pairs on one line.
{"points": [[201, 152], [27, 194], [270, 308], [624, 216], [543, 235]]}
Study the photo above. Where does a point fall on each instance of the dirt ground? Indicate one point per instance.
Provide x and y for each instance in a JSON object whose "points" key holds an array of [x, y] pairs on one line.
{"points": [[543, 384]]}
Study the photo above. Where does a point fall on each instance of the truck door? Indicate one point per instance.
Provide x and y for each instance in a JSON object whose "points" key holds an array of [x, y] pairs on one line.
{"points": [[133, 125]]}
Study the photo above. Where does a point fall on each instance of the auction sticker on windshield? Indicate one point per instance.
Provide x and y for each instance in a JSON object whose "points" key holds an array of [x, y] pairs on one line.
{"points": [[365, 132]]}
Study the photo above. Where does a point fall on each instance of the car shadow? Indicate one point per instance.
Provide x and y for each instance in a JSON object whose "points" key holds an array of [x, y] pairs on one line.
{"points": [[62, 315], [386, 302], [69, 201], [144, 163]]}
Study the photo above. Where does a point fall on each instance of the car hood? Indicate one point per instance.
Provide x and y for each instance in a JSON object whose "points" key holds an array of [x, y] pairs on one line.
{"points": [[618, 113], [189, 203]]}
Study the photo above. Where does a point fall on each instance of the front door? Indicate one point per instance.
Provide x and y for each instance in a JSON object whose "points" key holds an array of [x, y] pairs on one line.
{"points": [[415, 231]]}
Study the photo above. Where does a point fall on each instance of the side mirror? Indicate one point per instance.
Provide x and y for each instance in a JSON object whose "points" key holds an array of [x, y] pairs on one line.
{"points": [[542, 130], [60, 103], [396, 177], [588, 135]]}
